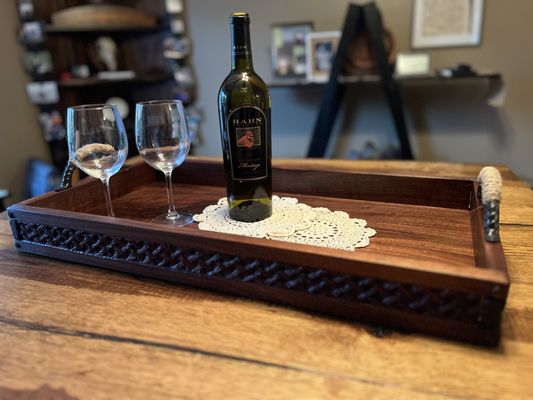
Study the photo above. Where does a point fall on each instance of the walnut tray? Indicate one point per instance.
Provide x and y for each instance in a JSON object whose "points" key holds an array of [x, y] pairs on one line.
{"points": [[428, 269]]}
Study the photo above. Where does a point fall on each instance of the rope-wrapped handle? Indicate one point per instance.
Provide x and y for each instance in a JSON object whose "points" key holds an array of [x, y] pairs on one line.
{"points": [[490, 191], [66, 181]]}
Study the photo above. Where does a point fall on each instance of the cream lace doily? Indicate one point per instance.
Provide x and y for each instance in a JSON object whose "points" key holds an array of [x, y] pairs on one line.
{"points": [[292, 221]]}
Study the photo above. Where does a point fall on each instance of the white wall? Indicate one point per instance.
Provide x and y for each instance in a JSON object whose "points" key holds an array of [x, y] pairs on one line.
{"points": [[450, 122]]}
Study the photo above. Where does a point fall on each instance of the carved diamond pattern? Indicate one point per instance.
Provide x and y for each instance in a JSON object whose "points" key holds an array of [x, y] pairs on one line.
{"points": [[440, 303]]}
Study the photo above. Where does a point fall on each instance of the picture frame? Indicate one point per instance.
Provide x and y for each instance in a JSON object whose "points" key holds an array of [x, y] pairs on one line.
{"points": [[43, 93], [38, 63], [288, 49], [31, 33], [444, 23], [52, 125], [321, 47], [25, 9]]}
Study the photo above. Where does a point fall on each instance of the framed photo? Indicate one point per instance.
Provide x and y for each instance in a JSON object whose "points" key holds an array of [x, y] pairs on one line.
{"points": [[321, 48], [52, 125], [288, 49], [25, 9], [31, 32], [38, 62], [446, 23], [41, 93]]}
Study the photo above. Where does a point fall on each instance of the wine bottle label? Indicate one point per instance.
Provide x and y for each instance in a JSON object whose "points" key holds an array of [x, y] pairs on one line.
{"points": [[247, 127]]}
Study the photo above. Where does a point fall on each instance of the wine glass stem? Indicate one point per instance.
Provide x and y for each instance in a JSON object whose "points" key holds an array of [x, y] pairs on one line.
{"points": [[107, 193], [171, 206]]}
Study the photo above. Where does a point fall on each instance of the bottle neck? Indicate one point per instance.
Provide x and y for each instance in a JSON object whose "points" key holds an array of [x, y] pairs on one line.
{"points": [[241, 49]]}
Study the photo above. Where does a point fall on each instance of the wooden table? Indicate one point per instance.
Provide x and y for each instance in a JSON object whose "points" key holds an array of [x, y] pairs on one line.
{"points": [[72, 331]]}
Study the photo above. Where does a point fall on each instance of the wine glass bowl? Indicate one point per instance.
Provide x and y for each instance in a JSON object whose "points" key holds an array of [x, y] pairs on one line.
{"points": [[97, 142], [163, 141]]}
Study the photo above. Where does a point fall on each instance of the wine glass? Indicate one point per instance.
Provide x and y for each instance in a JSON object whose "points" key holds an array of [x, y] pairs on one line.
{"points": [[97, 142], [163, 140]]}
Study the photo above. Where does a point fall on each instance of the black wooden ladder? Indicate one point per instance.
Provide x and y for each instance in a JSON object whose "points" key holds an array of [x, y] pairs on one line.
{"points": [[359, 19]]}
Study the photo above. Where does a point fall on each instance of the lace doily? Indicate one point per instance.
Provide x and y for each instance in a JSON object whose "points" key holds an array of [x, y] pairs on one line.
{"points": [[292, 222]]}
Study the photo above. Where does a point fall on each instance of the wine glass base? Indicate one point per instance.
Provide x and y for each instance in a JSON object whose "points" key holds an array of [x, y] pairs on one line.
{"points": [[180, 219]]}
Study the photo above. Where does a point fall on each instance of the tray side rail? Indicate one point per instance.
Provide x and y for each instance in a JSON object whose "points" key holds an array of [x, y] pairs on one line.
{"points": [[367, 290]]}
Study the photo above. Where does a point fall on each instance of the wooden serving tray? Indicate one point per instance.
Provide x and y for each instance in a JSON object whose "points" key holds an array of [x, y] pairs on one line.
{"points": [[428, 269]]}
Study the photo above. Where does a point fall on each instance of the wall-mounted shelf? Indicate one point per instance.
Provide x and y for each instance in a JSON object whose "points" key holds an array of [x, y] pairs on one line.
{"points": [[51, 29], [85, 82], [355, 79]]}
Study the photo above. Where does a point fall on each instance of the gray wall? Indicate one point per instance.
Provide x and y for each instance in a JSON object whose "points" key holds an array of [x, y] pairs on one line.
{"points": [[449, 122], [20, 136]]}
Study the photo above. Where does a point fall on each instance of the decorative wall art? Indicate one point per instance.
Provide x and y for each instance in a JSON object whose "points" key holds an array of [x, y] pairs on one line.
{"points": [[288, 49], [446, 23], [321, 48]]}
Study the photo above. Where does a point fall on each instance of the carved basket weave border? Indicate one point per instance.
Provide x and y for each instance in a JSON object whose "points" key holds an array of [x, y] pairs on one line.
{"points": [[439, 303]]}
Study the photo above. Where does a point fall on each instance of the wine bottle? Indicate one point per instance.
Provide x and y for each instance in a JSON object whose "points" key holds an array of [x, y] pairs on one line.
{"points": [[244, 115]]}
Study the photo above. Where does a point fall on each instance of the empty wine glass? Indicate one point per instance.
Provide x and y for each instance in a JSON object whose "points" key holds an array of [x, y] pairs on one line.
{"points": [[163, 140], [97, 142]]}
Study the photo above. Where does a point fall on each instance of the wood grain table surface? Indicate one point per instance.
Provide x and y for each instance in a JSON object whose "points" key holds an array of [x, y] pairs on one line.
{"points": [[75, 332]]}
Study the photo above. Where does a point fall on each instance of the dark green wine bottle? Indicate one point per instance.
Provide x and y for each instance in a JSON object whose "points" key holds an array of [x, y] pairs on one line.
{"points": [[244, 114]]}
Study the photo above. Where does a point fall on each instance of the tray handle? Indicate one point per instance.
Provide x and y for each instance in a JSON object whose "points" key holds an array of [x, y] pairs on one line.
{"points": [[66, 181], [490, 192]]}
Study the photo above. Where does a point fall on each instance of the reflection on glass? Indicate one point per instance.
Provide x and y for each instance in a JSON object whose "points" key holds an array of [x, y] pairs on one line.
{"points": [[163, 140]]}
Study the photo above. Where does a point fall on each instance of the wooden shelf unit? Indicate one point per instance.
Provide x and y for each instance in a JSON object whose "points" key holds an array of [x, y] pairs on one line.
{"points": [[139, 49]]}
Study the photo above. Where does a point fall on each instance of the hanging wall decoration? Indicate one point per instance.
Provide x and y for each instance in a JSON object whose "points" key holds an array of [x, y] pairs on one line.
{"points": [[446, 23], [288, 49], [321, 48]]}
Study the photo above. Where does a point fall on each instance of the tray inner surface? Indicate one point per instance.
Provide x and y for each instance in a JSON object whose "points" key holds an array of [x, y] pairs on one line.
{"points": [[417, 232]]}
